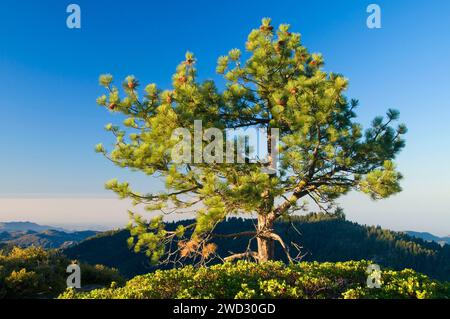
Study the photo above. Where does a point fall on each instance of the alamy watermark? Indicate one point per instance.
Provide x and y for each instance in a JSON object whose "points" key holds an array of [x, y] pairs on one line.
{"points": [[374, 19], [74, 279], [73, 21], [374, 276], [252, 145]]}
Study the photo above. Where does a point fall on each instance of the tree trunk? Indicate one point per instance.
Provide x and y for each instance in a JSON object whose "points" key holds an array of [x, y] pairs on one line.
{"points": [[266, 245]]}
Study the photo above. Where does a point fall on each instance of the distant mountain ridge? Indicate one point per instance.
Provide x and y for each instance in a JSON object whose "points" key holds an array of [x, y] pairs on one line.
{"points": [[25, 226], [25, 234], [429, 237]]}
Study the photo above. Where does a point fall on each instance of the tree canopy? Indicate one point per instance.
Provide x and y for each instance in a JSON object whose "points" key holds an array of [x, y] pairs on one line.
{"points": [[322, 154]]}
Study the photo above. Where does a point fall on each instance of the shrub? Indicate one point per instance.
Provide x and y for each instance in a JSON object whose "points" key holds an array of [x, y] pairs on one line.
{"points": [[309, 280], [35, 272]]}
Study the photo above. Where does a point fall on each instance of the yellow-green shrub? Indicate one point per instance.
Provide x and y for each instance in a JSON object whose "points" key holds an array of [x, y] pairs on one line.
{"points": [[35, 272], [272, 280]]}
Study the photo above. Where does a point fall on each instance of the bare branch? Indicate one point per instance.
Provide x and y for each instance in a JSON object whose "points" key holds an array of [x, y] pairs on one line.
{"points": [[283, 245], [235, 235], [247, 254]]}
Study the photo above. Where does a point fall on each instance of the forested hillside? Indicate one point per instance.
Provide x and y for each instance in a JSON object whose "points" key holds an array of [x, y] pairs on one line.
{"points": [[323, 237]]}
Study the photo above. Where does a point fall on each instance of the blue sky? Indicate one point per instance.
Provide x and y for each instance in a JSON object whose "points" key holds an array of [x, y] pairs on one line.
{"points": [[50, 122]]}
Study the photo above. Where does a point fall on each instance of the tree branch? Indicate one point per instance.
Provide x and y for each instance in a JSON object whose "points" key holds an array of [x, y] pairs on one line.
{"points": [[234, 235], [283, 245], [242, 255]]}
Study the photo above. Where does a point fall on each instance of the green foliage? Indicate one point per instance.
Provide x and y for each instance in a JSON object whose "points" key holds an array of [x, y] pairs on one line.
{"points": [[277, 83], [34, 272], [403, 284], [379, 183], [273, 280]]}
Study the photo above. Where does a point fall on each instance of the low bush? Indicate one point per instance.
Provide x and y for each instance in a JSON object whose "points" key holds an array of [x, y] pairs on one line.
{"points": [[309, 280], [38, 273]]}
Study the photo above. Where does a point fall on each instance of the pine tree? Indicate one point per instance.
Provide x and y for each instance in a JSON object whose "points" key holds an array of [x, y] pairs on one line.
{"points": [[323, 153]]}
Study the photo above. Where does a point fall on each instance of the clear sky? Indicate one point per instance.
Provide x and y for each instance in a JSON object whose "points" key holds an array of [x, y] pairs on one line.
{"points": [[50, 123]]}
